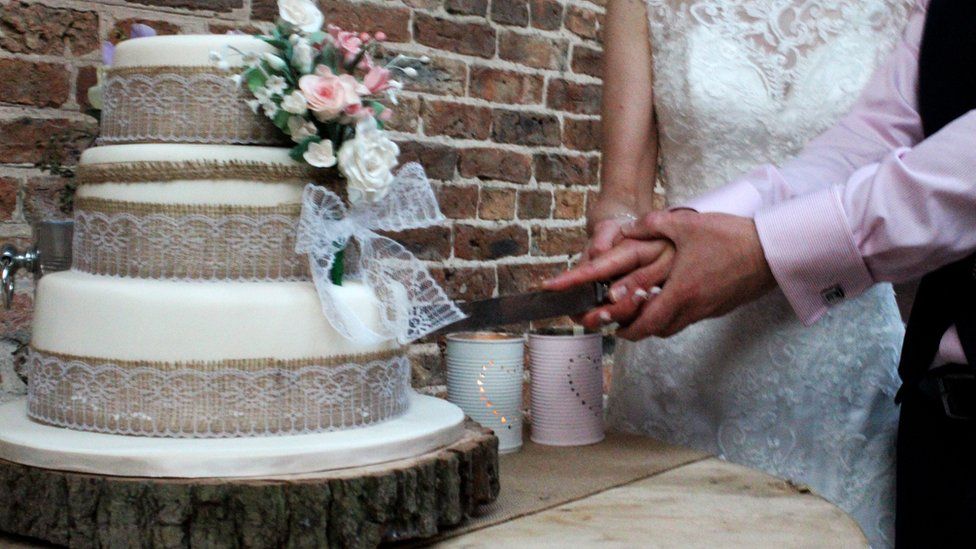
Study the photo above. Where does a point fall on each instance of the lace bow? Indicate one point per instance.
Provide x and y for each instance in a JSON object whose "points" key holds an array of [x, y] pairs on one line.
{"points": [[411, 303]]}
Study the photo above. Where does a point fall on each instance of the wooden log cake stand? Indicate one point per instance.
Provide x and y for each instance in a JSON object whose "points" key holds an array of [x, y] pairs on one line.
{"points": [[359, 507]]}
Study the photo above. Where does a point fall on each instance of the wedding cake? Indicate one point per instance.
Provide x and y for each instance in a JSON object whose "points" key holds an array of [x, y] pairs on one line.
{"points": [[190, 311]]}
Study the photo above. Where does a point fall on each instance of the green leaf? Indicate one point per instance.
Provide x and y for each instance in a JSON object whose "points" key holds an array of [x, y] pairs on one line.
{"points": [[317, 37], [276, 42], [378, 108], [330, 58], [255, 78], [338, 268], [281, 120]]}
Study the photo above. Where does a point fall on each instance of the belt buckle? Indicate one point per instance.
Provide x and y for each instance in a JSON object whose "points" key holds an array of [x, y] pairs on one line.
{"points": [[958, 385]]}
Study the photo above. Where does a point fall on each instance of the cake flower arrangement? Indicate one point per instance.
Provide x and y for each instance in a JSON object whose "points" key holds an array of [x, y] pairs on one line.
{"points": [[324, 88]]}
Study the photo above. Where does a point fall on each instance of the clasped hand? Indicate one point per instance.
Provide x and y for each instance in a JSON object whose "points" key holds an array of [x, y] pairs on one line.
{"points": [[670, 270]]}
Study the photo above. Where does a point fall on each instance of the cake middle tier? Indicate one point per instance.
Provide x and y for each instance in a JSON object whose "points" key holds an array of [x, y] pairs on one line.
{"points": [[192, 212], [185, 359]]}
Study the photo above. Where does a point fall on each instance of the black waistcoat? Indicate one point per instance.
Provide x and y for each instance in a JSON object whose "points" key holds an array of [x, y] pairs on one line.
{"points": [[947, 90]]}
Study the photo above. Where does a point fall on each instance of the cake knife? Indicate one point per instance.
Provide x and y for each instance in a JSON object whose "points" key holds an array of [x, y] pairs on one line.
{"points": [[512, 309]]}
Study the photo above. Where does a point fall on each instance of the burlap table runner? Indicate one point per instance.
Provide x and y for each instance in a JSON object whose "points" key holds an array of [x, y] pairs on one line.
{"points": [[542, 477]]}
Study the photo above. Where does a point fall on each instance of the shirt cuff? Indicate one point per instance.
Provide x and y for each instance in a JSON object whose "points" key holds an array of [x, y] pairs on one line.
{"points": [[812, 254], [737, 198]]}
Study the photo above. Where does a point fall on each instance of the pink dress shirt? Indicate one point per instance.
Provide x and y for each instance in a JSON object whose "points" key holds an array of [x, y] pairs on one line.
{"points": [[869, 200]]}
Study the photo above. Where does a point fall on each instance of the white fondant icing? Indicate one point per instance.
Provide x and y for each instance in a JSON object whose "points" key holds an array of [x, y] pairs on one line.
{"points": [[240, 193], [150, 152], [186, 50], [142, 319], [430, 423]]}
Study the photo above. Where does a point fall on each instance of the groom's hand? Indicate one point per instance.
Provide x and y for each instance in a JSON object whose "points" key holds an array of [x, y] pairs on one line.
{"points": [[718, 265]]}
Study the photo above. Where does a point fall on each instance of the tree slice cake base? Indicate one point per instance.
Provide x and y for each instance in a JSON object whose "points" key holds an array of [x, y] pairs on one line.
{"points": [[410, 498]]}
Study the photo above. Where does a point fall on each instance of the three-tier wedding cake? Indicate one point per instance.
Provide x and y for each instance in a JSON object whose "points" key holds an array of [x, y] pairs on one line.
{"points": [[188, 316]]}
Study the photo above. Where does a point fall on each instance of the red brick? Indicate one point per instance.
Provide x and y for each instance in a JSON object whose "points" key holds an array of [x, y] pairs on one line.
{"points": [[45, 198], [393, 20], [456, 120], [503, 86], [570, 205], [534, 51], [458, 202], [432, 243], [8, 197], [582, 134], [427, 367], [440, 76], [23, 140], [467, 7], [525, 128], [497, 164], [534, 204], [224, 28], [87, 77], [423, 4], [466, 283], [16, 323], [546, 14], [519, 278], [406, 115], [510, 12], [438, 160], [33, 83], [497, 204], [465, 38], [490, 243], [209, 5], [582, 22], [588, 61], [35, 28], [566, 170], [555, 241], [574, 97], [122, 30]]}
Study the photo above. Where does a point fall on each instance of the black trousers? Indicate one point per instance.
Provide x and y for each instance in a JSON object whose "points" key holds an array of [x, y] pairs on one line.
{"points": [[936, 477]]}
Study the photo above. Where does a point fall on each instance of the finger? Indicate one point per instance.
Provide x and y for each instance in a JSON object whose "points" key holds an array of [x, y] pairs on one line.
{"points": [[605, 235], [620, 260], [645, 278], [652, 225], [624, 311], [658, 314]]}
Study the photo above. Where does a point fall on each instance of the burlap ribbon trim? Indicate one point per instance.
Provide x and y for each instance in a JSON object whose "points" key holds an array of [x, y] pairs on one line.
{"points": [[187, 241], [180, 105], [196, 170], [213, 399]]}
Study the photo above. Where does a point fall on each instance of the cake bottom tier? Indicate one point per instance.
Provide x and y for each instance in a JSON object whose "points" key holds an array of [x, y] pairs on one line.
{"points": [[205, 360]]}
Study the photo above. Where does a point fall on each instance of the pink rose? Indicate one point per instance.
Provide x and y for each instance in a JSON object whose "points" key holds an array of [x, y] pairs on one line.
{"points": [[329, 95], [377, 79], [349, 44]]}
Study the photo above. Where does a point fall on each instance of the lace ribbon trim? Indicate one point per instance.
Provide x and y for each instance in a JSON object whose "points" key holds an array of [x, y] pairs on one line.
{"points": [[180, 105], [219, 399], [186, 241], [190, 170]]}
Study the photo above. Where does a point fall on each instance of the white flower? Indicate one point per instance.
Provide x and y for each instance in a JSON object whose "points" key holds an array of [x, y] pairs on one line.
{"points": [[223, 65], [275, 62], [254, 104], [276, 85], [301, 13], [367, 162], [216, 56], [262, 94], [251, 58], [303, 56], [237, 79], [300, 128], [320, 154], [270, 109], [295, 103]]}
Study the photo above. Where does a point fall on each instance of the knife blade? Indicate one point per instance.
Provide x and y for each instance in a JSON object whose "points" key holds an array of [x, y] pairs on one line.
{"points": [[512, 309]]}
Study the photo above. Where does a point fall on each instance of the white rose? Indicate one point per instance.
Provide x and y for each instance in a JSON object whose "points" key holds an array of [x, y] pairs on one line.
{"points": [[303, 56], [276, 85], [320, 155], [299, 128], [367, 162], [275, 62], [295, 103], [301, 13]]}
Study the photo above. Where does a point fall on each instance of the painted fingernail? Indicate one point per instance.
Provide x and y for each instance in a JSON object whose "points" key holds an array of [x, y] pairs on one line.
{"points": [[656, 290], [605, 317], [640, 295], [617, 293]]}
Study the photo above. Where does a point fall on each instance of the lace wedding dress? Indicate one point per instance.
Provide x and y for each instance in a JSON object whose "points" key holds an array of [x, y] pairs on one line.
{"points": [[740, 83]]}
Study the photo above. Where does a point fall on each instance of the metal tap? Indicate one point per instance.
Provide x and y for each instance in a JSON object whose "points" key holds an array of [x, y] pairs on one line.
{"points": [[51, 252]]}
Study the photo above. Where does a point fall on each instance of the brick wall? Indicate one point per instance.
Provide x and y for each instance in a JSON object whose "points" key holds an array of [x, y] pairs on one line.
{"points": [[505, 118]]}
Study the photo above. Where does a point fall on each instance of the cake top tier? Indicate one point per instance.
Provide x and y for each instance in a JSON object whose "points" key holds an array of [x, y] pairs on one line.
{"points": [[186, 50]]}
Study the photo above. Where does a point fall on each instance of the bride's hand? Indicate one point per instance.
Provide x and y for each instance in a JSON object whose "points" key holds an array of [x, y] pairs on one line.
{"points": [[604, 220], [639, 268]]}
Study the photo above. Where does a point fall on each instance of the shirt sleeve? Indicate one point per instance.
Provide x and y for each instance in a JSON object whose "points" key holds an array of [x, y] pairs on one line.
{"points": [[884, 118]]}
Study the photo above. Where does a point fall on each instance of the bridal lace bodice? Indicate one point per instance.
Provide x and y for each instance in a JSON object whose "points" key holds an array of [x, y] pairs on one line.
{"points": [[740, 83]]}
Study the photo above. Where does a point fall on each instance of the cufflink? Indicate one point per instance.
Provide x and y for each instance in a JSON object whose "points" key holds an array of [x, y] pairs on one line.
{"points": [[833, 295]]}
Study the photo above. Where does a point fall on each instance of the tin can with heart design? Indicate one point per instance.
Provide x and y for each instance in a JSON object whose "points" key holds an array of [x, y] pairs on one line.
{"points": [[484, 378], [567, 388]]}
